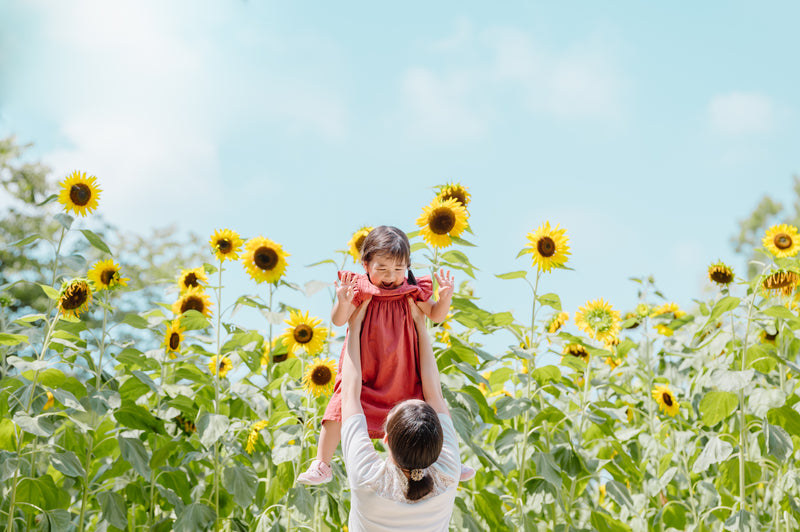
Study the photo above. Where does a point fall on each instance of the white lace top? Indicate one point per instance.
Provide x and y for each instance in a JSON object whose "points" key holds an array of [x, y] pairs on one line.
{"points": [[378, 486]]}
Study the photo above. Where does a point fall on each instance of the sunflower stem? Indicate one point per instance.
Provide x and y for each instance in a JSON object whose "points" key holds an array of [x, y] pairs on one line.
{"points": [[742, 417], [216, 395]]}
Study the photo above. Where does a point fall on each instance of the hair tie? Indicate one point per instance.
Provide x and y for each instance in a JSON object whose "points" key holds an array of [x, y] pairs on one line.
{"points": [[417, 474]]}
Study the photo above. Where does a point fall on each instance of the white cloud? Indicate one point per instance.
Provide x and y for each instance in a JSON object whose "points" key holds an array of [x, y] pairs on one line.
{"points": [[741, 113]]}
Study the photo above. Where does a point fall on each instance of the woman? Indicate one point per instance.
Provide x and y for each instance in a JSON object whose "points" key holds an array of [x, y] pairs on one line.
{"points": [[415, 487]]}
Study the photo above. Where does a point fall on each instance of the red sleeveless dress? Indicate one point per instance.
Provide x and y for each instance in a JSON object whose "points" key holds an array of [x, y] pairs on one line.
{"points": [[389, 351]]}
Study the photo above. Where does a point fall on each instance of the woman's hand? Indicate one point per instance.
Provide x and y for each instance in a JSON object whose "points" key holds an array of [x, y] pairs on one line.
{"points": [[357, 317], [416, 313]]}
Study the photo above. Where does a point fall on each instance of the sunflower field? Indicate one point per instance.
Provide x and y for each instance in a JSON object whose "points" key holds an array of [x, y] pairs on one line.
{"points": [[171, 416]]}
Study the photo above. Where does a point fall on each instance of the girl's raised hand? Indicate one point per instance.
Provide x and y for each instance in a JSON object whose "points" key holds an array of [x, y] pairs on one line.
{"points": [[346, 290], [446, 283]]}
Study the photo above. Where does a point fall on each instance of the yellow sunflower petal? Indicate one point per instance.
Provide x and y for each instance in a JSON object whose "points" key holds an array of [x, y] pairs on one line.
{"points": [[319, 377], [666, 400], [193, 299], [782, 240], [74, 298], [303, 332], [105, 275], [549, 247], [599, 320], [226, 244], [354, 245]]}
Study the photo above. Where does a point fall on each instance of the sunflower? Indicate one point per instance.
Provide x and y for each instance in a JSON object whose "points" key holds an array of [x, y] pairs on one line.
{"points": [[79, 193], [666, 308], [599, 320], [443, 331], [226, 244], [279, 356], [768, 338], [666, 400], [576, 350], [782, 281], [252, 438], [549, 247], [223, 364], [186, 425], [319, 377], [105, 275], [613, 362], [264, 260], [173, 339], [356, 241], [782, 240], [455, 191], [664, 330], [194, 278], [556, 322], [441, 220], [74, 298], [303, 332], [51, 400], [720, 273], [193, 299]]}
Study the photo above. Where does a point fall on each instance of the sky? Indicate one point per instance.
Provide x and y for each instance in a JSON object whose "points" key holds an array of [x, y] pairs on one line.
{"points": [[644, 129]]}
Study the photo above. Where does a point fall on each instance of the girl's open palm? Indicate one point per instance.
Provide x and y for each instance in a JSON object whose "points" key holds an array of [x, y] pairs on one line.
{"points": [[446, 283], [346, 290]]}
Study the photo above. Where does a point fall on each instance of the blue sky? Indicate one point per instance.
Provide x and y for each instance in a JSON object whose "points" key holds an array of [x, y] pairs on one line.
{"points": [[645, 129]]}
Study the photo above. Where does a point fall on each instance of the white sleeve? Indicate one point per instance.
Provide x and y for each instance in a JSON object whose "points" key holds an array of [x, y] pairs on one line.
{"points": [[360, 457], [449, 461]]}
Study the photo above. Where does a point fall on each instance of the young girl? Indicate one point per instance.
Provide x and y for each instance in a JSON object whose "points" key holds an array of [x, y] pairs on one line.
{"points": [[388, 338]]}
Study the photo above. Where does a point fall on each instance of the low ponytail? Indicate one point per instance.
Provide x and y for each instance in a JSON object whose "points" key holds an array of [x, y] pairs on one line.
{"points": [[411, 278], [417, 489]]}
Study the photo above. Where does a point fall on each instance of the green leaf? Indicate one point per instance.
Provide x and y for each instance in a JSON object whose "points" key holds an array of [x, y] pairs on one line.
{"points": [[13, 339], [95, 240], [715, 451], [512, 275], [65, 220], [192, 320], [40, 492], [550, 300], [716, 406], [242, 483], [728, 476], [135, 321], [605, 523], [211, 427], [25, 241], [779, 311], [785, 417], [138, 417], [743, 521], [619, 492], [162, 454], [732, 381], [134, 453], [724, 305], [547, 468], [38, 426], [779, 443], [546, 374], [49, 291], [113, 506], [194, 517], [67, 463], [490, 507], [54, 521]]}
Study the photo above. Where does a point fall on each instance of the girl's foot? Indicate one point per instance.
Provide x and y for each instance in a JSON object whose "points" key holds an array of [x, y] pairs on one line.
{"points": [[319, 473], [466, 473]]}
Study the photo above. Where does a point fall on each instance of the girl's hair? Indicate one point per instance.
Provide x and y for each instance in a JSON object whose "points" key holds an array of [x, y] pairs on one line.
{"points": [[391, 242], [415, 437]]}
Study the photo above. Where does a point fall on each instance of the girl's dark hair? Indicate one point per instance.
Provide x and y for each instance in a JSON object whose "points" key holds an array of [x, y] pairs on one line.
{"points": [[415, 437], [391, 242]]}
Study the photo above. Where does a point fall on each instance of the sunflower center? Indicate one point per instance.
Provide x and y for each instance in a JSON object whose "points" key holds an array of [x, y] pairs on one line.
{"points": [[442, 220], [75, 296], [546, 246], [457, 195], [174, 341], [80, 194], [303, 333], [280, 358], [265, 258], [321, 375], [192, 303], [599, 320], [721, 275], [780, 280], [190, 280], [224, 245], [107, 276], [782, 241], [667, 399]]}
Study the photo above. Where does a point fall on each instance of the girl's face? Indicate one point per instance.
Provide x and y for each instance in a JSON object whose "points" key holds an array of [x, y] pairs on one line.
{"points": [[386, 272]]}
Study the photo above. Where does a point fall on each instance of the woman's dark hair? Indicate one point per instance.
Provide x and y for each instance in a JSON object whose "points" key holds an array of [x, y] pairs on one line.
{"points": [[391, 242], [415, 437]]}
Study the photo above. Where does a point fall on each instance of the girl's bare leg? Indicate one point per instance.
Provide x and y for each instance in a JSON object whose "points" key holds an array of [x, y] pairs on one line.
{"points": [[329, 438]]}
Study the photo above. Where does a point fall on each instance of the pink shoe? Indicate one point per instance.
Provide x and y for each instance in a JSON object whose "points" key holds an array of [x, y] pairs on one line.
{"points": [[319, 473], [467, 473]]}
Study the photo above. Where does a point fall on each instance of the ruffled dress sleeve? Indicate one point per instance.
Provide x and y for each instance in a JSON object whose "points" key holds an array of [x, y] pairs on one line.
{"points": [[363, 288], [425, 285]]}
